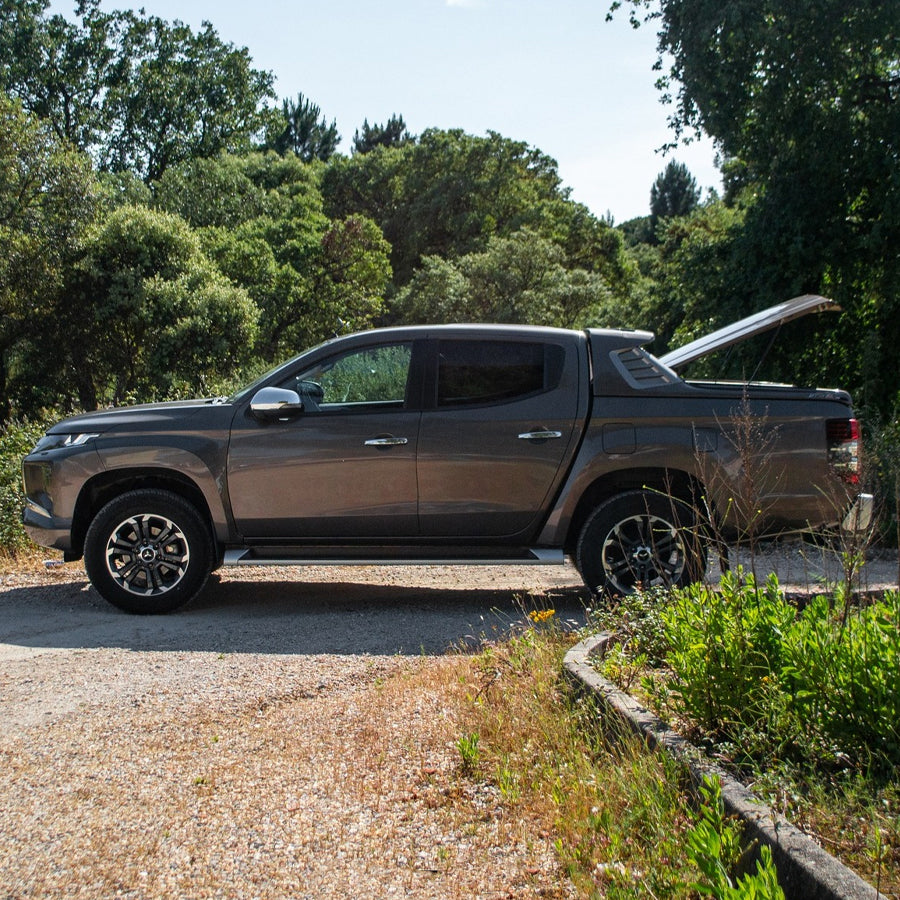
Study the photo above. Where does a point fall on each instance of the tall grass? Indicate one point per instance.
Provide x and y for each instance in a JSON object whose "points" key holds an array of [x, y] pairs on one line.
{"points": [[622, 818]]}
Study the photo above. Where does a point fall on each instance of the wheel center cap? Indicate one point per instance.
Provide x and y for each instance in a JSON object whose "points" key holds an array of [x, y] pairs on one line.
{"points": [[643, 555], [147, 554]]}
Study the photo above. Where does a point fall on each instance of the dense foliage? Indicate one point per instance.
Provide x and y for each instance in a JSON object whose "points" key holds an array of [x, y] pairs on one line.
{"points": [[138, 93], [821, 686], [803, 101], [159, 240]]}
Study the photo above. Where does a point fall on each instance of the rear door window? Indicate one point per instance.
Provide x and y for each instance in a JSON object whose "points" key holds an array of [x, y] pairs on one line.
{"points": [[478, 372]]}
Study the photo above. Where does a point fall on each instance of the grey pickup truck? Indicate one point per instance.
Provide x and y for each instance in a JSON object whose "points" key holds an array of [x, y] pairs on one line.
{"points": [[449, 444]]}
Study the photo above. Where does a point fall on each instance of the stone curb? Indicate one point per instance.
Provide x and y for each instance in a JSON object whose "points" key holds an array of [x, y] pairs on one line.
{"points": [[805, 870]]}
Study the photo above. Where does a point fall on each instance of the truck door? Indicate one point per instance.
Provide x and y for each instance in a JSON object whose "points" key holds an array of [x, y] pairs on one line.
{"points": [[498, 424], [344, 467]]}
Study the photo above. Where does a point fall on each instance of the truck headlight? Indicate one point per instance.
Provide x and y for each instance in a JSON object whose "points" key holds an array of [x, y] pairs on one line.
{"points": [[59, 441]]}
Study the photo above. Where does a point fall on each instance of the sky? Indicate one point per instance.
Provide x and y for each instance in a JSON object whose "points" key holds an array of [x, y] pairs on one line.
{"points": [[552, 73]]}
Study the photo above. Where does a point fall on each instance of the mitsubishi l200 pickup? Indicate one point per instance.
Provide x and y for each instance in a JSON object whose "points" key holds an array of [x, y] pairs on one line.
{"points": [[450, 444]]}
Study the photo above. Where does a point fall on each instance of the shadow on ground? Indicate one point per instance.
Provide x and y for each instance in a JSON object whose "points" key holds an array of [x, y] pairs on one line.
{"points": [[288, 617]]}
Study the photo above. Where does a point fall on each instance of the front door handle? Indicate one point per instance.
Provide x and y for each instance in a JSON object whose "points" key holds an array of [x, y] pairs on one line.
{"points": [[386, 442], [539, 435]]}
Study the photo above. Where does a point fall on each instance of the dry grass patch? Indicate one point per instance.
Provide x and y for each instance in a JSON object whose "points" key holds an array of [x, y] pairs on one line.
{"points": [[617, 816], [345, 789]]}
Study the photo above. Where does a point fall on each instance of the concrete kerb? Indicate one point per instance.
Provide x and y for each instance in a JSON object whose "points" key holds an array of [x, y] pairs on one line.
{"points": [[805, 870]]}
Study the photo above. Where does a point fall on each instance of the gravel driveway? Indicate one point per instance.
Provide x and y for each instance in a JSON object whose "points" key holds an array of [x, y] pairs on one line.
{"points": [[291, 733], [276, 738]]}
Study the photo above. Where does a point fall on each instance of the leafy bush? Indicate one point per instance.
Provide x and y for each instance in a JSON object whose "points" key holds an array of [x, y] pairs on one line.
{"points": [[637, 620], [714, 846], [725, 652], [16, 440], [844, 677], [822, 685]]}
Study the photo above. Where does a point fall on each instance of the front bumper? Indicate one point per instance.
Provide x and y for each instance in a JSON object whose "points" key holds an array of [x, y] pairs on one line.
{"points": [[859, 517], [47, 530], [51, 481]]}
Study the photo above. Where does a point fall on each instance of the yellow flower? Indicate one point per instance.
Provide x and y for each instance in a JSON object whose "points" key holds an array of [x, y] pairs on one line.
{"points": [[541, 615]]}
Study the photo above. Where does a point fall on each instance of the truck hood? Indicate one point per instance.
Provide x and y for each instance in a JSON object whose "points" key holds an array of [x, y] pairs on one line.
{"points": [[739, 331], [102, 420]]}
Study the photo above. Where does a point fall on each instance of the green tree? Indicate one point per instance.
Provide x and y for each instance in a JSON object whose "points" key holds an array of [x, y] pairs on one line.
{"points": [[259, 218], [302, 129], [137, 92], [180, 95], [144, 313], [519, 279], [309, 282], [217, 191], [448, 193], [393, 133], [48, 197], [674, 193], [60, 71], [803, 100], [351, 277]]}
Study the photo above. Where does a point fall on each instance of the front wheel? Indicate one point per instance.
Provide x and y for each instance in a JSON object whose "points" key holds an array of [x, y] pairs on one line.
{"points": [[148, 551], [638, 540]]}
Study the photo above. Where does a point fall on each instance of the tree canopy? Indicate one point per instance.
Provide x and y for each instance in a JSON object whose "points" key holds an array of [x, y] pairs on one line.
{"points": [[144, 313], [135, 91], [674, 193], [302, 129], [159, 206], [803, 100], [393, 133], [47, 198]]}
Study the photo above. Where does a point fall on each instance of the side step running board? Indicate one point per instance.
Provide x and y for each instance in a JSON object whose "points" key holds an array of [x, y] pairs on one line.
{"points": [[537, 556]]}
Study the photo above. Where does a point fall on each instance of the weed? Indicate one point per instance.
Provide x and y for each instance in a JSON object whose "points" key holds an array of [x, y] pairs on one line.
{"points": [[508, 782], [714, 846], [541, 616], [637, 621], [468, 750]]}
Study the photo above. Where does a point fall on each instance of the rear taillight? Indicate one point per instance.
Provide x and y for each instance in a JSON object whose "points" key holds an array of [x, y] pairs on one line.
{"points": [[844, 448]]}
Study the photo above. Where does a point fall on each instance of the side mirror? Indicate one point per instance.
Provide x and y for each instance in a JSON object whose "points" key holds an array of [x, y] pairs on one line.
{"points": [[275, 403]]}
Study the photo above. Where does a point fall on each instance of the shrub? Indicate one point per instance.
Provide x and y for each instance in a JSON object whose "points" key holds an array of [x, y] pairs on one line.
{"points": [[16, 440], [822, 685], [844, 676], [725, 653]]}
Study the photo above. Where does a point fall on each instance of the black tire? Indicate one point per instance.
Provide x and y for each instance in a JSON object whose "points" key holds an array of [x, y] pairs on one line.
{"points": [[640, 539], [148, 551]]}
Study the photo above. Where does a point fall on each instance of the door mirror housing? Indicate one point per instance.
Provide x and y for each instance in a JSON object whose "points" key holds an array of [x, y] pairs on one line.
{"points": [[270, 403]]}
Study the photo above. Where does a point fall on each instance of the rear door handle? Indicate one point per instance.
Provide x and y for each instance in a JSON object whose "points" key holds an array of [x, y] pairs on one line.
{"points": [[539, 435], [386, 442]]}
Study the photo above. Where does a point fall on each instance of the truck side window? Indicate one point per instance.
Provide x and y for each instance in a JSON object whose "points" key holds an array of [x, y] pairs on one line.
{"points": [[472, 372], [369, 377]]}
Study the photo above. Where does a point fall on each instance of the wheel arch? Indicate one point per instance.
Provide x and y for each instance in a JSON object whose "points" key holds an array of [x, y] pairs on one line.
{"points": [[669, 482], [106, 486]]}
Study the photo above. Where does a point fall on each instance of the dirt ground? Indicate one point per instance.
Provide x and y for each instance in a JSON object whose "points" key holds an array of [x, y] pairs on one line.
{"points": [[288, 733]]}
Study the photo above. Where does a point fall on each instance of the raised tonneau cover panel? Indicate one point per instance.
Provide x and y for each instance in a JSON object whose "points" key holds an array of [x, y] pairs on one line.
{"points": [[752, 325]]}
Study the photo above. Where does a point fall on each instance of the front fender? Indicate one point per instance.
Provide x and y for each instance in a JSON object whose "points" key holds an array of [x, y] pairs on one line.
{"points": [[181, 464]]}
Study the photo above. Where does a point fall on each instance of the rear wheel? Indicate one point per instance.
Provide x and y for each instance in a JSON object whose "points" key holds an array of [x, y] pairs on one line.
{"points": [[638, 540], [148, 551]]}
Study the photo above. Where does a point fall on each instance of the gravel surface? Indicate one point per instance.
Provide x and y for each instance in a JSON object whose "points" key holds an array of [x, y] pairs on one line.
{"points": [[276, 738], [291, 733]]}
